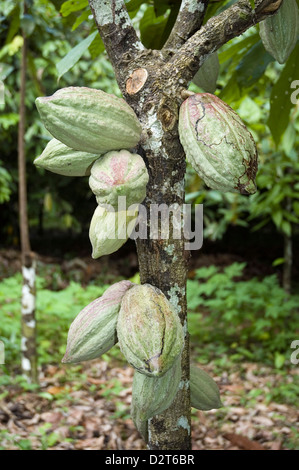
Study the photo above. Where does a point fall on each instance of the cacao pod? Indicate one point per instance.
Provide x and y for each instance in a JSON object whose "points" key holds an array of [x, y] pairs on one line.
{"points": [[142, 427], [93, 331], [152, 395], [207, 75], [217, 144], [279, 32], [203, 390], [119, 174], [109, 229], [149, 331], [63, 160], [89, 120]]}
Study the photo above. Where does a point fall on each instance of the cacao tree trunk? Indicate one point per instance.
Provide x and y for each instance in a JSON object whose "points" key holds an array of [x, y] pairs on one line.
{"points": [[163, 263], [153, 83], [28, 324]]}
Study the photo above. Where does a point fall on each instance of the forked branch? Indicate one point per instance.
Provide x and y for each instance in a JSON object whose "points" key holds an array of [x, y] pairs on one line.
{"points": [[232, 22], [189, 20]]}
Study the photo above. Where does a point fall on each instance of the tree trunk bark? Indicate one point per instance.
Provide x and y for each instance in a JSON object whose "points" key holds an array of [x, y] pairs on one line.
{"points": [[163, 259], [28, 325]]}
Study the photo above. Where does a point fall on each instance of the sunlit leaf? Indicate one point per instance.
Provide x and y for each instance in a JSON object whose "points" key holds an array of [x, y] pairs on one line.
{"points": [[74, 55]]}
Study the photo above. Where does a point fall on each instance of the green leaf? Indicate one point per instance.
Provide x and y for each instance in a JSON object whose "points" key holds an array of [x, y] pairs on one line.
{"points": [[14, 25], [96, 47], [5, 70], [278, 262], [238, 48], [279, 360], [286, 228], [74, 55], [73, 5], [253, 65], [280, 100], [231, 92], [28, 24], [83, 17], [152, 29], [133, 5], [277, 218]]}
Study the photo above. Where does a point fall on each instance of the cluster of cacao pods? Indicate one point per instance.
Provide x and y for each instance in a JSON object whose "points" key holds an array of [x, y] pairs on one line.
{"points": [[92, 132], [150, 336]]}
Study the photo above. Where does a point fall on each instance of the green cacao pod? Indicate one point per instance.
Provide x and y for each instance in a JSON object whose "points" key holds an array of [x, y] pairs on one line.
{"points": [[142, 427], [152, 395], [279, 32], [64, 160], [203, 390], [89, 120], [207, 75], [93, 332], [109, 229], [149, 331], [119, 174], [217, 144]]}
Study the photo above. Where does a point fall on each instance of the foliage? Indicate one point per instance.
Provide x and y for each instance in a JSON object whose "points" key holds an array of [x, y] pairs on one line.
{"points": [[55, 311], [52, 201], [252, 319]]}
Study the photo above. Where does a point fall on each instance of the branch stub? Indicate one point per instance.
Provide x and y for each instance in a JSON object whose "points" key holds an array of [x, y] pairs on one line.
{"points": [[136, 81]]}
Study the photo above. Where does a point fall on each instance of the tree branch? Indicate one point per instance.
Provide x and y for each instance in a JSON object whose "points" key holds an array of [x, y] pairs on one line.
{"points": [[189, 20], [116, 30], [217, 31]]}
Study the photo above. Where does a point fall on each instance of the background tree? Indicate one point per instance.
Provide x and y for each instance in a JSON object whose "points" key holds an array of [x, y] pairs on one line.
{"points": [[28, 342]]}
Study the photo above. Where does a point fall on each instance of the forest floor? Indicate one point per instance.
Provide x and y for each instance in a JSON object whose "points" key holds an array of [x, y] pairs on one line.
{"points": [[89, 409], [88, 406]]}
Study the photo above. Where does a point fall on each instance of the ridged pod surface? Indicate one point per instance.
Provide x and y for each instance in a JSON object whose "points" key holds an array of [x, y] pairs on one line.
{"points": [[109, 229], [217, 144], [89, 120], [93, 332], [64, 160], [119, 174], [207, 75], [152, 395], [279, 33], [149, 331], [204, 391], [142, 427]]}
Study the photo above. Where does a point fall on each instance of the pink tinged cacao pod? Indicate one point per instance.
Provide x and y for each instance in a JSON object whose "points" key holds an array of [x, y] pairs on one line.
{"points": [[89, 120], [64, 160], [93, 332], [217, 144], [119, 174], [149, 331], [110, 229]]}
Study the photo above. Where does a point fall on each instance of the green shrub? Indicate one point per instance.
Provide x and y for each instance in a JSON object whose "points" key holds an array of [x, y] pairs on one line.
{"points": [[253, 319]]}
